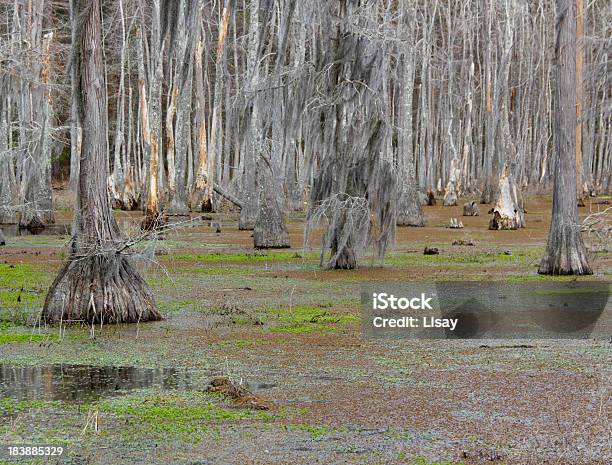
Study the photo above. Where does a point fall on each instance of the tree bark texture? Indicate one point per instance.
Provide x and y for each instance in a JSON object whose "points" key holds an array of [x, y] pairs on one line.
{"points": [[565, 251], [98, 284]]}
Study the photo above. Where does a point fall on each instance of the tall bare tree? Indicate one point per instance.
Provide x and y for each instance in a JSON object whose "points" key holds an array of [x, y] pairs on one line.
{"points": [[356, 187], [98, 283], [565, 252], [410, 212]]}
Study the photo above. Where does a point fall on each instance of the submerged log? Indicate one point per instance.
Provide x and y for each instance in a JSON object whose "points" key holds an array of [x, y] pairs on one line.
{"points": [[508, 211], [241, 396]]}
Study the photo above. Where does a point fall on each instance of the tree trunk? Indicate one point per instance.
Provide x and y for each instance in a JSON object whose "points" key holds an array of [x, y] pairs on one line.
{"points": [[75, 126], [410, 212], [152, 214], [8, 213], [151, 114], [356, 187], [488, 190], [582, 186], [116, 181], [254, 146], [36, 206], [201, 197], [345, 256], [98, 284], [565, 251], [185, 36], [450, 195], [508, 211], [270, 228]]}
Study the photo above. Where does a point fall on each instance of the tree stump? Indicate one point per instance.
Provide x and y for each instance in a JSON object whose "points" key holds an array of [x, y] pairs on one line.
{"points": [[431, 198], [409, 212], [470, 209], [508, 210], [270, 229], [450, 195]]}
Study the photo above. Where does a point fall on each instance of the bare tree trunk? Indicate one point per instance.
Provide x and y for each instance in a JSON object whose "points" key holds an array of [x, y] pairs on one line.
{"points": [[8, 213], [356, 188], [270, 230], [183, 29], [116, 181], [490, 181], [75, 126], [565, 251], [35, 195], [410, 212], [98, 284], [152, 214], [253, 147], [151, 115], [207, 159], [582, 185], [201, 196], [508, 210]]}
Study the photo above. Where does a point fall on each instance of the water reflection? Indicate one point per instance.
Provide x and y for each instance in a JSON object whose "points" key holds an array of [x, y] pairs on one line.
{"points": [[83, 382], [12, 230], [56, 229]]}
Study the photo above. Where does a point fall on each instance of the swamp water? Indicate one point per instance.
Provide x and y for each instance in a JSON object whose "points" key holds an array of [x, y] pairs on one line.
{"points": [[82, 383]]}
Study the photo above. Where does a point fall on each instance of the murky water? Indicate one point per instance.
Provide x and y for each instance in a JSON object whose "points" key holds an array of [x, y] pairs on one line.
{"points": [[81, 383], [57, 229], [13, 230]]}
